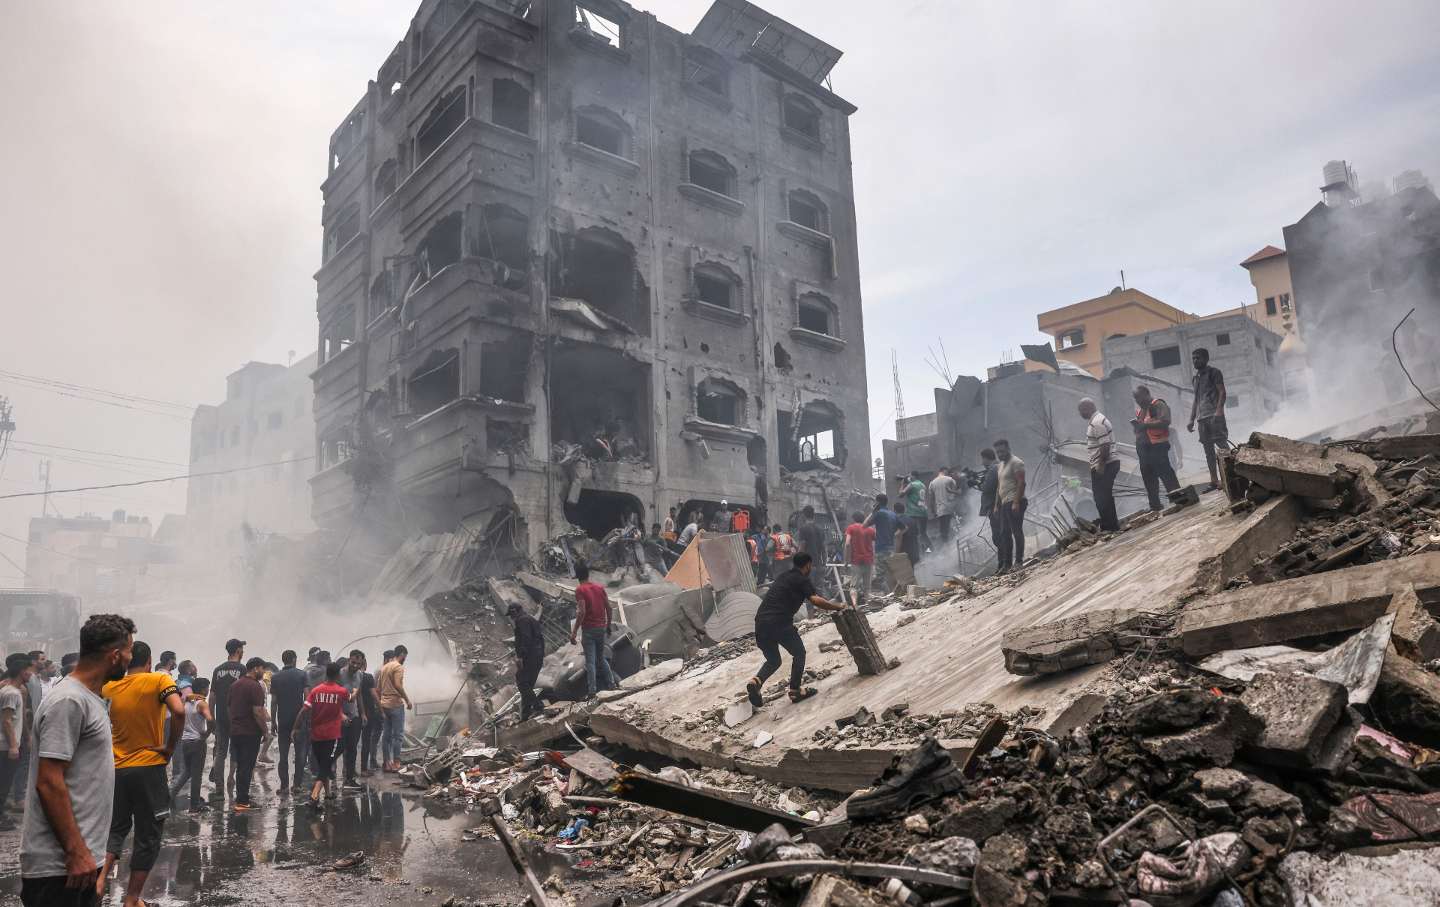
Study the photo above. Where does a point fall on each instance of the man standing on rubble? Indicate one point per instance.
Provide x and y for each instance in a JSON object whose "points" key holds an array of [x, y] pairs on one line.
{"points": [[724, 518], [1100, 441], [350, 677], [884, 521], [225, 674], [912, 493], [667, 528], [529, 655], [692, 528], [860, 555], [374, 718], [989, 485], [947, 495], [593, 624], [393, 702], [1010, 500], [1208, 409], [775, 628], [1152, 444]]}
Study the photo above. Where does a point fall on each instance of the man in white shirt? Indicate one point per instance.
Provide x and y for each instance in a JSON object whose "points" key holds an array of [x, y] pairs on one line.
{"points": [[1104, 467], [946, 495]]}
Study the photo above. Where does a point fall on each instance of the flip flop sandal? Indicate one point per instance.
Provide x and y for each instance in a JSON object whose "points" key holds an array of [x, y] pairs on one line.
{"points": [[752, 692], [801, 694]]}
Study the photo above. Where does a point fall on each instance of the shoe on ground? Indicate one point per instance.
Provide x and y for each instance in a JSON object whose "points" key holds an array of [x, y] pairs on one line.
{"points": [[352, 785], [243, 807], [925, 773]]}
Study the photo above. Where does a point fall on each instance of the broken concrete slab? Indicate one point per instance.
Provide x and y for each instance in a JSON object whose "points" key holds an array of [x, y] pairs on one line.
{"points": [[1308, 477], [1346, 599], [1265, 531], [1357, 463], [1407, 701], [1416, 634], [1396, 880], [1299, 712], [859, 639], [1401, 447], [1280, 444], [1212, 743], [1354, 664], [1085, 639], [739, 713]]}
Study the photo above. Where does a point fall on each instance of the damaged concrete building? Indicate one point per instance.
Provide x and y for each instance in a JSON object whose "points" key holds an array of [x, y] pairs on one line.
{"points": [[579, 265]]}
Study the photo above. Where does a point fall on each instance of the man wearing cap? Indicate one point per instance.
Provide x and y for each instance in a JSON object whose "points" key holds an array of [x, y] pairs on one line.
{"points": [[248, 719], [221, 679], [723, 517], [529, 653]]}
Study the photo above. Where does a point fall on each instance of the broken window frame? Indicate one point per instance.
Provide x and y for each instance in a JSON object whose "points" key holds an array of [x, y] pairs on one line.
{"points": [[509, 115], [1285, 303], [1070, 339], [1165, 353], [796, 437], [438, 25], [600, 24], [498, 219], [712, 392], [434, 130], [504, 369], [387, 180], [810, 200], [588, 119], [391, 77], [438, 362], [426, 250], [800, 116], [710, 276], [345, 227], [380, 296], [721, 178], [817, 302], [337, 333]]}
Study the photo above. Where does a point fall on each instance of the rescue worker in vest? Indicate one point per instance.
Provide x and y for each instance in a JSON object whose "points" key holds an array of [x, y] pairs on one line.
{"points": [[1152, 444]]}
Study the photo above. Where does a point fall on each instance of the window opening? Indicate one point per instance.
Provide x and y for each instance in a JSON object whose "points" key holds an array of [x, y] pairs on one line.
{"points": [[1222, 339], [1072, 338], [807, 211], [815, 314], [802, 116], [1165, 357], [386, 179], [510, 105], [720, 402], [817, 439], [503, 367], [597, 26], [445, 117], [1269, 305], [600, 400], [710, 171], [441, 247], [436, 382], [714, 288], [598, 132]]}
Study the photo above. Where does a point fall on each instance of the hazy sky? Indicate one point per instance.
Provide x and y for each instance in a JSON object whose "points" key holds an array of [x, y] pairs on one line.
{"points": [[162, 164]]}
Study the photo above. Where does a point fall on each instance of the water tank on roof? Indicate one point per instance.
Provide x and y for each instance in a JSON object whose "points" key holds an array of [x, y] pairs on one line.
{"points": [[1336, 172]]}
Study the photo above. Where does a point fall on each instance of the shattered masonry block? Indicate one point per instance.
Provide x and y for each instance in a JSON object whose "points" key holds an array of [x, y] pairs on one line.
{"points": [[1347, 599], [1407, 700], [1309, 477], [1281, 444], [1401, 447], [1299, 712], [1213, 743], [1085, 639], [1416, 634]]}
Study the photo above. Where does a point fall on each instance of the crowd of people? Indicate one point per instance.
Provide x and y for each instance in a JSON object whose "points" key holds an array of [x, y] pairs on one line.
{"points": [[99, 749]]}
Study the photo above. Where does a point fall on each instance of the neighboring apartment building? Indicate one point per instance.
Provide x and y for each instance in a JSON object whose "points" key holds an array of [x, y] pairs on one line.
{"points": [[1274, 298], [578, 264], [112, 564], [1245, 352], [1080, 330], [262, 441], [1358, 268]]}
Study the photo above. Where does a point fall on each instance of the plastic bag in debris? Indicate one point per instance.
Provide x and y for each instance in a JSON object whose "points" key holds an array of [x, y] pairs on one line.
{"points": [[573, 830], [1201, 869]]}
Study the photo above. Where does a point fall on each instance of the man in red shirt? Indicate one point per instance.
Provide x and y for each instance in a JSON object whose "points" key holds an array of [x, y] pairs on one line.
{"points": [[325, 705], [592, 622], [860, 555]]}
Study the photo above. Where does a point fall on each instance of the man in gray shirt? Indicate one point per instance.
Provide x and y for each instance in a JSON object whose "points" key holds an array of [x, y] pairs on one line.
{"points": [[1209, 410], [350, 677], [72, 777]]}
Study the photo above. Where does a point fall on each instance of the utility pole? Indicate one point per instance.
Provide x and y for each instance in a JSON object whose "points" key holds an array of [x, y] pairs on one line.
{"points": [[7, 426], [45, 475], [895, 373]]}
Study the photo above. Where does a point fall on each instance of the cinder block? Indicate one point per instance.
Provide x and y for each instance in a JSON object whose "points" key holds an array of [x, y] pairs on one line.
{"points": [[1299, 712]]}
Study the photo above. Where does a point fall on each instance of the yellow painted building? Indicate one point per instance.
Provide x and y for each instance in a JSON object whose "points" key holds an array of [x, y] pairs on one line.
{"points": [[1274, 297], [1080, 330]]}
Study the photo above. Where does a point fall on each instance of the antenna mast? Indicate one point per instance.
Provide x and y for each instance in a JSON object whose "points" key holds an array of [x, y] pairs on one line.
{"points": [[895, 373]]}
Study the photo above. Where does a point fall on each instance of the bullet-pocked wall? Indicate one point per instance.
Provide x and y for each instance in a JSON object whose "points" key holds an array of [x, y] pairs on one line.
{"points": [[570, 250]]}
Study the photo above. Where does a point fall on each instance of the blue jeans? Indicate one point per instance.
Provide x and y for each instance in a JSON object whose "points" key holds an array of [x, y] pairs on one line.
{"points": [[392, 738], [597, 666]]}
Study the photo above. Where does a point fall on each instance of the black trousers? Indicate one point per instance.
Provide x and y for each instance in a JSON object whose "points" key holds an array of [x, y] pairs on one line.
{"points": [[994, 517], [1155, 468], [350, 740], [324, 751], [370, 741], [244, 748], [285, 734], [142, 802], [771, 638], [526, 675], [1102, 485], [9, 769], [945, 520], [222, 752], [50, 891], [1011, 545]]}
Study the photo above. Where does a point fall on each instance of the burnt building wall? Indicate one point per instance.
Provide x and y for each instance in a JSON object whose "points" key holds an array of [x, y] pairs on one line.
{"points": [[585, 232]]}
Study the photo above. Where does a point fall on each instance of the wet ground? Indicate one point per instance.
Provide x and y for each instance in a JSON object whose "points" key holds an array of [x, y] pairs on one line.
{"points": [[416, 853]]}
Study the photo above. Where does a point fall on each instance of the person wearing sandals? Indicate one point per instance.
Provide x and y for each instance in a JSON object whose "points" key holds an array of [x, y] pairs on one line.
{"points": [[325, 706], [775, 628]]}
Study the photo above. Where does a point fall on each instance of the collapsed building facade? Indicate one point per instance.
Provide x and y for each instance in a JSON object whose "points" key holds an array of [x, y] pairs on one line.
{"points": [[579, 265]]}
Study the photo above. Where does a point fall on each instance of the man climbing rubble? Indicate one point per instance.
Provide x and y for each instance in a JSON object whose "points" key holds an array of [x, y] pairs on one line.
{"points": [[775, 628], [529, 653], [593, 624]]}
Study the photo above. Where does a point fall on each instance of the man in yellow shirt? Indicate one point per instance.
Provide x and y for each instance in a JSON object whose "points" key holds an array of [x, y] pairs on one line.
{"points": [[139, 702]]}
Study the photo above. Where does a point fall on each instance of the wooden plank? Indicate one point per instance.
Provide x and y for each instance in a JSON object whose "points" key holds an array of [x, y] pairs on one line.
{"points": [[855, 632]]}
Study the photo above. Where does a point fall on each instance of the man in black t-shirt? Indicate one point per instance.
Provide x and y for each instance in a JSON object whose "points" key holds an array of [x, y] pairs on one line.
{"points": [[775, 628], [287, 692], [221, 679]]}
